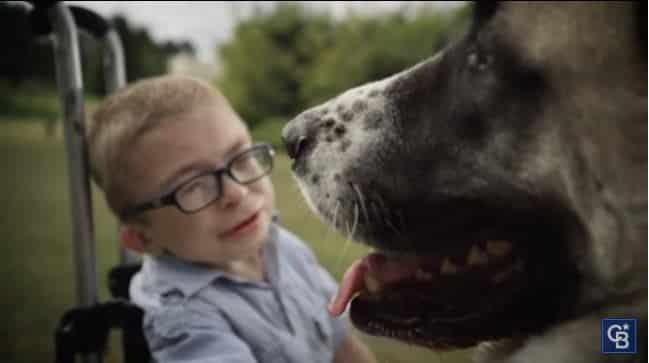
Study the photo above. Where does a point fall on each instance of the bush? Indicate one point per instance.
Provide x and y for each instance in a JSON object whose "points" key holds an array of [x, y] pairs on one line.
{"points": [[281, 62]]}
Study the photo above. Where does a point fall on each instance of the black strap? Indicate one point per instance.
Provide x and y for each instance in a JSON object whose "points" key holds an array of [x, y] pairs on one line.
{"points": [[119, 279], [85, 330], [85, 19]]}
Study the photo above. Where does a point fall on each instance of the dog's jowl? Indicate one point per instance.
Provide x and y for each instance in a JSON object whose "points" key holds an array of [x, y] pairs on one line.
{"points": [[502, 182]]}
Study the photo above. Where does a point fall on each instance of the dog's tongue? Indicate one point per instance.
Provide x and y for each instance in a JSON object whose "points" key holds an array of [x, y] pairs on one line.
{"points": [[353, 281], [382, 270]]}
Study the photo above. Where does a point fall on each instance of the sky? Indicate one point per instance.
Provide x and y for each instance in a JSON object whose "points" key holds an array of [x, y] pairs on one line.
{"points": [[208, 23]]}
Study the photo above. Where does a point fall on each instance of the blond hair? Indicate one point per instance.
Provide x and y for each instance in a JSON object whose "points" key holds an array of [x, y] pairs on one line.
{"points": [[123, 117]]}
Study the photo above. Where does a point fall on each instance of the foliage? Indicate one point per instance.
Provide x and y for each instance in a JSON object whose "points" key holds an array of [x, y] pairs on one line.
{"points": [[277, 63], [281, 62], [270, 131], [265, 62], [29, 58]]}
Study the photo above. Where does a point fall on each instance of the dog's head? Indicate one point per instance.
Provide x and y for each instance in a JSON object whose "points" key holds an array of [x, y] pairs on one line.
{"points": [[502, 181]]}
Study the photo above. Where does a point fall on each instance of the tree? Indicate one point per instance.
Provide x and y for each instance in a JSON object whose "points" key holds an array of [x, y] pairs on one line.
{"points": [[145, 57], [371, 48], [281, 62], [27, 67], [265, 62], [26, 57], [22, 56]]}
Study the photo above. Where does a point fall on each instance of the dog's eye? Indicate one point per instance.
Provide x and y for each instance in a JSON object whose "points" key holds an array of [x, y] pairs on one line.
{"points": [[479, 61]]}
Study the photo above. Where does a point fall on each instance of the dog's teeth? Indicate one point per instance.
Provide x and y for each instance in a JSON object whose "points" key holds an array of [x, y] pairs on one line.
{"points": [[372, 284], [477, 257], [423, 275], [501, 276], [498, 248], [448, 268], [411, 321]]}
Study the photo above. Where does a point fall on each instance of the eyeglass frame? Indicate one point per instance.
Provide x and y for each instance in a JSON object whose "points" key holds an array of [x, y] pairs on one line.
{"points": [[169, 198]]}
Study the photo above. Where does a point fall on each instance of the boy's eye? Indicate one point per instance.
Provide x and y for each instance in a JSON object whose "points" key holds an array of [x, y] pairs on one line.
{"points": [[198, 191], [246, 162], [246, 167], [193, 186]]}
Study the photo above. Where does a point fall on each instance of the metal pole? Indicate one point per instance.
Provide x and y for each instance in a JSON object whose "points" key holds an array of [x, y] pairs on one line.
{"points": [[114, 67], [68, 74], [115, 78]]}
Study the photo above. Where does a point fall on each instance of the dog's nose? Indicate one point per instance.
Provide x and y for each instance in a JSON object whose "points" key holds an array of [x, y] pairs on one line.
{"points": [[294, 140]]}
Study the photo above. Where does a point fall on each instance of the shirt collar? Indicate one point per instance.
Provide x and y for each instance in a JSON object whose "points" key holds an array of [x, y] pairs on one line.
{"points": [[167, 273]]}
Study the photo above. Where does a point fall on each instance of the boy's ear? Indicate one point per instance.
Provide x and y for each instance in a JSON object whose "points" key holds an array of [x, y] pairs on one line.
{"points": [[133, 239]]}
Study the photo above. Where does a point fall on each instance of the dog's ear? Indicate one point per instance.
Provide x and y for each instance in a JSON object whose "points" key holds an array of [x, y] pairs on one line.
{"points": [[482, 12]]}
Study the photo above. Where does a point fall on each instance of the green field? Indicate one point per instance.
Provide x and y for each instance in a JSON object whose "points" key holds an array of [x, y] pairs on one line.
{"points": [[38, 268]]}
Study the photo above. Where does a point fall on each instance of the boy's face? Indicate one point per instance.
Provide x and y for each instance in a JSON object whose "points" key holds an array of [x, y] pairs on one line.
{"points": [[231, 228]]}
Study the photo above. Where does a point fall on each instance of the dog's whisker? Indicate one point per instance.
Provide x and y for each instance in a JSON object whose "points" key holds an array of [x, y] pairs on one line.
{"points": [[348, 241], [335, 219], [351, 236], [397, 218], [341, 257], [384, 215], [375, 210], [329, 228], [402, 220], [381, 203], [362, 202], [396, 230], [386, 221], [381, 216]]}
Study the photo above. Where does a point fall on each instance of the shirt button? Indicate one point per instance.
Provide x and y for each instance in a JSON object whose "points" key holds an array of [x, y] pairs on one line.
{"points": [[172, 296]]}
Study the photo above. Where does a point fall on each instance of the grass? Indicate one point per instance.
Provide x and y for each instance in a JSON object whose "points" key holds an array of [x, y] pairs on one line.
{"points": [[38, 271], [32, 99]]}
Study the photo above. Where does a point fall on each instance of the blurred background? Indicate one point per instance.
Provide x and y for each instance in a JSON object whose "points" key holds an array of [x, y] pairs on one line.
{"points": [[271, 59]]}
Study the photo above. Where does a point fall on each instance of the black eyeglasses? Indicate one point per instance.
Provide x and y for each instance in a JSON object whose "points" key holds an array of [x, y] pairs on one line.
{"points": [[198, 192]]}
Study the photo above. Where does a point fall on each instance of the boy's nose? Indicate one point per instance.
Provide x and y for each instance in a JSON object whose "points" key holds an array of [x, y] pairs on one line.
{"points": [[233, 192]]}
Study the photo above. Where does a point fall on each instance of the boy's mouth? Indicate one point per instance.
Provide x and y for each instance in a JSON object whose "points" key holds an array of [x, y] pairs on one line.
{"points": [[244, 226]]}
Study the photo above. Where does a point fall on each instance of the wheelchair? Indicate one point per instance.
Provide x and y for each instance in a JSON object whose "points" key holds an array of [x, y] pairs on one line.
{"points": [[83, 330]]}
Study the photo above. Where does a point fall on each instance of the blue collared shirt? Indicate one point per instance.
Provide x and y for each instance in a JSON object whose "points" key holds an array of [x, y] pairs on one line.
{"points": [[197, 314]]}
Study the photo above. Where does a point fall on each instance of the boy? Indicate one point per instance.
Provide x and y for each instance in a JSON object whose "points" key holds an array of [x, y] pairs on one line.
{"points": [[220, 281]]}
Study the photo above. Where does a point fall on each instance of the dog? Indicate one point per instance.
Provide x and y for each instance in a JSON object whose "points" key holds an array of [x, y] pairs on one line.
{"points": [[502, 184]]}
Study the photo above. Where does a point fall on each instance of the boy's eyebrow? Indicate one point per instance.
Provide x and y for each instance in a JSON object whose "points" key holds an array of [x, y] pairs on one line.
{"points": [[200, 165], [170, 181]]}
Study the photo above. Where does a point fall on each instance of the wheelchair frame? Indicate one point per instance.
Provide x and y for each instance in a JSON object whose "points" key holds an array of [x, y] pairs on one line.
{"points": [[83, 330]]}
